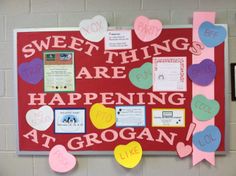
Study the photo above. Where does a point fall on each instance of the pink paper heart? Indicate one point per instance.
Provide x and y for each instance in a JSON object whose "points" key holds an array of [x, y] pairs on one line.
{"points": [[146, 29], [60, 160], [183, 150]]}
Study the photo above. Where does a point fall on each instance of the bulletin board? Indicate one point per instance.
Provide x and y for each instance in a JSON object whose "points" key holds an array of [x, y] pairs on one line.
{"points": [[76, 93]]}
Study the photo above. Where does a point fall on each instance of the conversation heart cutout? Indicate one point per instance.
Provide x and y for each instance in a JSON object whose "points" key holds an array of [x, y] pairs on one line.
{"points": [[101, 116], [128, 155], [183, 150], [142, 77], [207, 140], [60, 160], [31, 72], [146, 29], [203, 73], [203, 108], [211, 35], [40, 119], [94, 29]]}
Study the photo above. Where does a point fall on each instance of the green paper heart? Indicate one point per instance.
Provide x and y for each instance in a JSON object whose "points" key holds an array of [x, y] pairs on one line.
{"points": [[203, 108], [142, 77]]}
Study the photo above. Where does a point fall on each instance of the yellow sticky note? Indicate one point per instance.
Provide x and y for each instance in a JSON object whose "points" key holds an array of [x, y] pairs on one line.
{"points": [[128, 155], [102, 117]]}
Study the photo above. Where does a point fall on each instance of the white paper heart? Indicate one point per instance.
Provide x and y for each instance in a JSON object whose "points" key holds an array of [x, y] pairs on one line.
{"points": [[40, 119], [94, 29]]}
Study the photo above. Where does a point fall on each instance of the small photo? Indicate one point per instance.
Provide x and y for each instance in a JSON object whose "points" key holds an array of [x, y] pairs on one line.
{"points": [[65, 56], [70, 121], [50, 57]]}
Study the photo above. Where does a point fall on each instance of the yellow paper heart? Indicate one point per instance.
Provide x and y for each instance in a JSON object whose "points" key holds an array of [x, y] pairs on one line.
{"points": [[128, 155], [101, 116]]}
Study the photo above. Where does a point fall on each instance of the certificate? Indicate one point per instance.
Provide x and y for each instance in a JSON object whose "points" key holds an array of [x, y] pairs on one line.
{"points": [[169, 74], [59, 73], [168, 117], [127, 116], [69, 120]]}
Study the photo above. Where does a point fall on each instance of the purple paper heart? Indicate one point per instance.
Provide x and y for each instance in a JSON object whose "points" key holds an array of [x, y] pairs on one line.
{"points": [[31, 72], [203, 73]]}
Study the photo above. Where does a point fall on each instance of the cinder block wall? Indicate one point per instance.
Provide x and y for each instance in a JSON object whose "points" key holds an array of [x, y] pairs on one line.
{"points": [[68, 13]]}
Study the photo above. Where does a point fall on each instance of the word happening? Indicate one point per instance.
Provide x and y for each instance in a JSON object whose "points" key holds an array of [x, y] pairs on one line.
{"points": [[142, 77], [102, 117], [40, 119], [94, 29], [128, 155], [207, 140], [108, 135], [203, 73], [60, 160], [211, 35], [147, 30], [31, 72], [107, 98], [203, 108]]}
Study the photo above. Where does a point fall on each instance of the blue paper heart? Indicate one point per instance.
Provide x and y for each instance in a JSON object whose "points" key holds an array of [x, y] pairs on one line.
{"points": [[207, 140], [211, 35]]}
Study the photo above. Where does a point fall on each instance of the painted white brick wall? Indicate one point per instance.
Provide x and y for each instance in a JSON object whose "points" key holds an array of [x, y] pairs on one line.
{"points": [[68, 13]]}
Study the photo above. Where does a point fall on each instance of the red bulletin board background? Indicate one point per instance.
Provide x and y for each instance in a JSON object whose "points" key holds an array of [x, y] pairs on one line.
{"points": [[111, 85]]}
